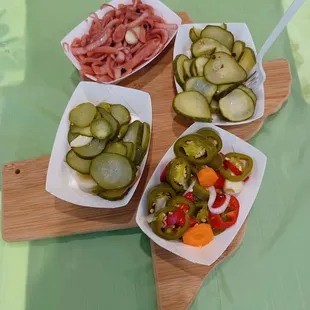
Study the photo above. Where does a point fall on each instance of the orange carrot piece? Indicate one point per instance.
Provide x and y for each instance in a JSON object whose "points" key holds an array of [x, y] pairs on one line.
{"points": [[207, 177], [199, 235]]}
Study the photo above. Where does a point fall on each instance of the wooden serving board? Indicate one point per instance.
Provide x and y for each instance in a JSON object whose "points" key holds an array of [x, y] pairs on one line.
{"points": [[25, 202]]}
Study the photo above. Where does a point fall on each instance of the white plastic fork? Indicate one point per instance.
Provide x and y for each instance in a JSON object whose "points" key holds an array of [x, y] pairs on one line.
{"points": [[258, 78]]}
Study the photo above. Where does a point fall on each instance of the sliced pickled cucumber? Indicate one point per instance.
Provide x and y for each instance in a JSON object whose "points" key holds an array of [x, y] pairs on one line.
{"points": [[145, 137], [114, 194], [193, 69], [224, 26], [101, 128], [193, 36], [178, 69], [72, 136], [248, 59], [237, 106], [113, 122], [200, 63], [214, 107], [238, 49], [129, 149], [94, 148], [116, 148], [225, 37], [112, 171], [122, 132], [250, 92], [77, 163], [223, 69], [223, 90], [83, 114], [134, 133], [207, 46], [121, 114], [192, 105], [105, 105], [187, 68], [201, 85], [84, 131], [138, 156], [98, 115]]}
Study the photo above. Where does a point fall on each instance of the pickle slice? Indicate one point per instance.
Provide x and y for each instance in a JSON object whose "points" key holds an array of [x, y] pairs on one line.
{"points": [[101, 128], [214, 107], [121, 132], [200, 63], [248, 59], [134, 133], [223, 36], [193, 69], [114, 194], [105, 105], [77, 163], [223, 90], [194, 34], [116, 148], [94, 148], [129, 149], [112, 171], [145, 138], [72, 136], [187, 68], [224, 26], [238, 49], [250, 92], [207, 46], [178, 69], [121, 114], [83, 114], [84, 131], [113, 122], [192, 105], [237, 106], [223, 69], [201, 85]]}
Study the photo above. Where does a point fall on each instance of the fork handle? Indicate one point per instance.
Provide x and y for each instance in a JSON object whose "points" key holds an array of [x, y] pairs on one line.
{"points": [[291, 11]]}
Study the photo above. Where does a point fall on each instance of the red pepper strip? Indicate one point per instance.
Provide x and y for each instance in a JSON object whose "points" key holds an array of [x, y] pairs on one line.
{"points": [[219, 184], [246, 179], [218, 222], [232, 167], [192, 222], [176, 218], [220, 199], [190, 196], [163, 175], [184, 207]]}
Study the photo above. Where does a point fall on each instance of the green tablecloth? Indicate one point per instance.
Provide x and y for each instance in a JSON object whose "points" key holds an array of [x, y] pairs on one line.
{"points": [[114, 270]]}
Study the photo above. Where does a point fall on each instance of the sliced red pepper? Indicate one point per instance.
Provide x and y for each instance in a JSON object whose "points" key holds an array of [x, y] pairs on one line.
{"points": [[246, 179], [228, 218], [219, 184], [232, 167], [176, 218], [192, 222], [220, 199], [164, 174], [190, 196], [184, 207]]}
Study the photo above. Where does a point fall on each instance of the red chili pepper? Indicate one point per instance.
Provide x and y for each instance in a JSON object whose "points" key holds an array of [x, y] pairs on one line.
{"points": [[218, 222], [232, 167], [190, 196], [193, 222], [176, 218], [184, 207], [220, 199], [219, 184], [164, 174]]}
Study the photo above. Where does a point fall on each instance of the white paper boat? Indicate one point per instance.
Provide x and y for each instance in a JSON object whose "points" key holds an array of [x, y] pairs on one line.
{"points": [[160, 9], [211, 252], [61, 179], [240, 32]]}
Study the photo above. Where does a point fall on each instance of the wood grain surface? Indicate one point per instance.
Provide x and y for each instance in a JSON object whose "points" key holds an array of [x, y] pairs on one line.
{"points": [[24, 199]]}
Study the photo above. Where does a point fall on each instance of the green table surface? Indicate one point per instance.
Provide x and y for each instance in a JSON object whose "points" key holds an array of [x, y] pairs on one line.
{"points": [[113, 270]]}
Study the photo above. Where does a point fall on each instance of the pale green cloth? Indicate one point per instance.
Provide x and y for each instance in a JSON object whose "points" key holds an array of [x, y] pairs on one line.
{"points": [[113, 270]]}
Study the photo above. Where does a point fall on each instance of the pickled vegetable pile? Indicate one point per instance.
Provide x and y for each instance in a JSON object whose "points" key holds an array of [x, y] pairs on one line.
{"points": [[212, 78], [196, 198], [106, 149], [122, 39]]}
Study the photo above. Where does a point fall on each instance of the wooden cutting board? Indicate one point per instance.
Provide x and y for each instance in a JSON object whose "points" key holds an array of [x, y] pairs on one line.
{"points": [[25, 202]]}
